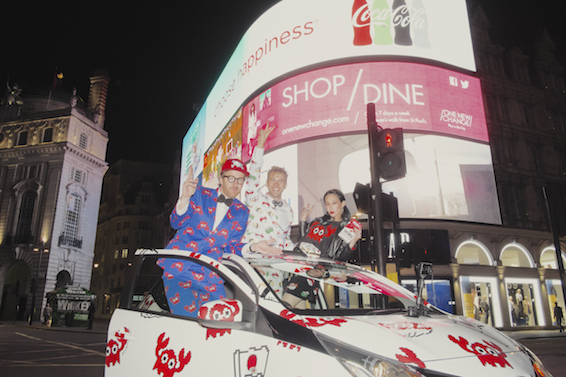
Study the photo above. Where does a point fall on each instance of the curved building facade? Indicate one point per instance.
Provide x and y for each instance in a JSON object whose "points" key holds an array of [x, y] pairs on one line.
{"points": [[429, 67]]}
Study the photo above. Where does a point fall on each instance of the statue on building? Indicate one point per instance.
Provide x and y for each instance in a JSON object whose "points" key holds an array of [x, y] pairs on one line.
{"points": [[12, 96], [74, 98]]}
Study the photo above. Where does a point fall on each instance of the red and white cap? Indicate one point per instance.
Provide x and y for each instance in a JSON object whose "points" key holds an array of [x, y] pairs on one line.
{"points": [[235, 164]]}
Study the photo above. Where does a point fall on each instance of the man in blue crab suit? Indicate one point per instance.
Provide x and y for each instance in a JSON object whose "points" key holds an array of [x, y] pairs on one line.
{"points": [[209, 222]]}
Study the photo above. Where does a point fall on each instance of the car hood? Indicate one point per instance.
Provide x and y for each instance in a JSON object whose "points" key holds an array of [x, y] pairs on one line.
{"points": [[455, 345]]}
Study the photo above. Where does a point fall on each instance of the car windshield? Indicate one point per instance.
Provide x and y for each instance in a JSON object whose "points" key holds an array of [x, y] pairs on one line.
{"points": [[324, 285]]}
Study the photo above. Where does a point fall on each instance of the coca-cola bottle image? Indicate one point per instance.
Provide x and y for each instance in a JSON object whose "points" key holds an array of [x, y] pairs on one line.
{"points": [[401, 23], [361, 20], [419, 24], [381, 21]]}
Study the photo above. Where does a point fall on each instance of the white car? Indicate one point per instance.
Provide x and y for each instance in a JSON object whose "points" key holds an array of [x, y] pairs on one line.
{"points": [[294, 316]]}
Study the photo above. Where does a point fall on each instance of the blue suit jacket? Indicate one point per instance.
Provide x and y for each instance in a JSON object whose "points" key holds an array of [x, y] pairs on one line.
{"points": [[188, 284], [194, 227]]}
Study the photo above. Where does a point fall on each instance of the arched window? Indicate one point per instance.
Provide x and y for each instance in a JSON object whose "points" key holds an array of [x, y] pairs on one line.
{"points": [[548, 258], [63, 279], [25, 217], [515, 255], [474, 252]]}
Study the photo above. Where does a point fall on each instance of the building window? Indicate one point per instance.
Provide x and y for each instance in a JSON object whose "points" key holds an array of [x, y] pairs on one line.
{"points": [[126, 225], [27, 204], [48, 135], [144, 225], [144, 211], [23, 138], [124, 238], [82, 141], [145, 199], [118, 226], [124, 253], [71, 228], [116, 254]]}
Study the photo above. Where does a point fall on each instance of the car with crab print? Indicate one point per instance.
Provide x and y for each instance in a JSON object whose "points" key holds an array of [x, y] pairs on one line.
{"points": [[296, 316]]}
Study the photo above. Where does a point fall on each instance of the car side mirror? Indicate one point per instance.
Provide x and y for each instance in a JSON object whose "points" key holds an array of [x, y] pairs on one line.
{"points": [[224, 310]]}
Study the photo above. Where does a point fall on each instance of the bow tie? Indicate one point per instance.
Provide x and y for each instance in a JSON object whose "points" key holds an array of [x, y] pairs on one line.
{"points": [[223, 199], [278, 203]]}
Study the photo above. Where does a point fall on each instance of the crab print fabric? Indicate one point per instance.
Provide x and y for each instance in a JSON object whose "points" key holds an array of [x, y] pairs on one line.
{"points": [[187, 284]]}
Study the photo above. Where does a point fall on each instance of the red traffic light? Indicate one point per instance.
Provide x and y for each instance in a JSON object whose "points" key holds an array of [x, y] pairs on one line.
{"points": [[390, 139], [391, 154]]}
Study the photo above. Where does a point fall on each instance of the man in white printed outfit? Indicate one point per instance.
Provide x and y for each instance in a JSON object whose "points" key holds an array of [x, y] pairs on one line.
{"points": [[269, 224]]}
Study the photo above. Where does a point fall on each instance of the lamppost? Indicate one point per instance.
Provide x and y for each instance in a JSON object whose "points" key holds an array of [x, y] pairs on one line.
{"points": [[34, 288]]}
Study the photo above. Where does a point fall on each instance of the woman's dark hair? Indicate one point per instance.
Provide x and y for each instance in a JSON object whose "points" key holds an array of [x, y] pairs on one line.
{"points": [[345, 214]]}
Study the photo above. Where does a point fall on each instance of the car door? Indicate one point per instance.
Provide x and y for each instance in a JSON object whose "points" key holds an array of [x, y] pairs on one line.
{"points": [[232, 337]]}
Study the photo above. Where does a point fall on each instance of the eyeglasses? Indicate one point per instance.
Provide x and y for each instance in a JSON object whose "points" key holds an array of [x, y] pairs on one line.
{"points": [[232, 179]]}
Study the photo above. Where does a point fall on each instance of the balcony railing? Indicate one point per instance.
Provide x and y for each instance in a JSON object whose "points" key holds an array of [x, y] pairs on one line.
{"points": [[70, 241]]}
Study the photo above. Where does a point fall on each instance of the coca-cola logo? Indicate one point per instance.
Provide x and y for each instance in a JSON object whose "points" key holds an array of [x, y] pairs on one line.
{"points": [[401, 16], [361, 16]]}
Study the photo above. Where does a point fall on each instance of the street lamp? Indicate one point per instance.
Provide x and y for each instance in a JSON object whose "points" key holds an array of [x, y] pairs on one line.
{"points": [[34, 288]]}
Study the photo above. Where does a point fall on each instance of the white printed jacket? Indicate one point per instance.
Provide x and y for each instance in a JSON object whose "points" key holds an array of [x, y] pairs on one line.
{"points": [[266, 220]]}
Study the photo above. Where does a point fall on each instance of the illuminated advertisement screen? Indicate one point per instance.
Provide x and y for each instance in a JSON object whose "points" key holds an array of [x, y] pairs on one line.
{"points": [[321, 137], [333, 101], [296, 35], [311, 67]]}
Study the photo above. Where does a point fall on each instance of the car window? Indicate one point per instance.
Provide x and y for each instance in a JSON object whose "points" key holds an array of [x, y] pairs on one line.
{"points": [[163, 286], [319, 285]]}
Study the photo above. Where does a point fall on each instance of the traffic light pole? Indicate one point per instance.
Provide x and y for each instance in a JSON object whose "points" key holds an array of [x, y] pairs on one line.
{"points": [[378, 257]]}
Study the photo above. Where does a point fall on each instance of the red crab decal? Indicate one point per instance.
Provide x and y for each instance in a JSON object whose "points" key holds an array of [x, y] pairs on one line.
{"points": [[193, 245], [211, 210], [178, 266], [211, 240], [207, 192], [221, 310], [197, 209], [223, 233], [167, 362], [318, 232], [409, 358], [185, 284], [198, 276], [488, 352], [311, 321], [190, 231], [203, 225], [175, 300], [240, 206], [115, 347], [190, 308]]}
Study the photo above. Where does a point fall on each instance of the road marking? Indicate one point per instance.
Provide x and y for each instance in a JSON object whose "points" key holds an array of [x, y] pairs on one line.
{"points": [[62, 344]]}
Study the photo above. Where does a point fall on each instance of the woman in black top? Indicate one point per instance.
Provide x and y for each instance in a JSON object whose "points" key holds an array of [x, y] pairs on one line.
{"points": [[323, 231]]}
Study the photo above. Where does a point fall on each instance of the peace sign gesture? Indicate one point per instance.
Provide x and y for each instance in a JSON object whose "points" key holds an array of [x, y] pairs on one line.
{"points": [[188, 189]]}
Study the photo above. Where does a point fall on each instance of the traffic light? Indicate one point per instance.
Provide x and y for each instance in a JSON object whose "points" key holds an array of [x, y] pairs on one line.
{"points": [[391, 154]]}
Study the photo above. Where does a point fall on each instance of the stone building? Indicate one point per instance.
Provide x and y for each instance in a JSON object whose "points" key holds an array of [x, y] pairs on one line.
{"points": [[52, 161], [134, 195], [512, 267]]}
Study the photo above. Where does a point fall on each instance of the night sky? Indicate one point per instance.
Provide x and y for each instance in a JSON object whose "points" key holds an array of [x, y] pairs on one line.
{"points": [[164, 57]]}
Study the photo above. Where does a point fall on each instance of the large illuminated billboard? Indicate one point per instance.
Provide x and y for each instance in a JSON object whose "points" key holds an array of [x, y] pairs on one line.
{"points": [[316, 87]]}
